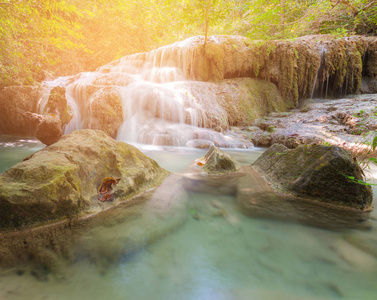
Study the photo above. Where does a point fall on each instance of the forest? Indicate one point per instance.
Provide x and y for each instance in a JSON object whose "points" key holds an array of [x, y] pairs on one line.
{"points": [[43, 39]]}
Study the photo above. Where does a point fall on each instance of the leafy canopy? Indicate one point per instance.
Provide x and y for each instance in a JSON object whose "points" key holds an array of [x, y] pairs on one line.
{"points": [[42, 38]]}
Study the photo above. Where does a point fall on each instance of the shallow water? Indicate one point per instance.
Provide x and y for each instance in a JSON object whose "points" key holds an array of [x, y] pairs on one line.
{"points": [[14, 149], [214, 252]]}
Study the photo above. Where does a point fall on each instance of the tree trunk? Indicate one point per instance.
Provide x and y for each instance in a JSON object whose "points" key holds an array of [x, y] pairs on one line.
{"points": [[207, 19], [282, 15]]}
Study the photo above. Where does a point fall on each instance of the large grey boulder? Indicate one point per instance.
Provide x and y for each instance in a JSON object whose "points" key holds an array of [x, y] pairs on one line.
{"points": [[61, 180], [324, 173]]}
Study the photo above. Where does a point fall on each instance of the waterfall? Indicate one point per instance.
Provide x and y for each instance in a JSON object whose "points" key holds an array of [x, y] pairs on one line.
{"points": [[322, 74], [161, 102]]}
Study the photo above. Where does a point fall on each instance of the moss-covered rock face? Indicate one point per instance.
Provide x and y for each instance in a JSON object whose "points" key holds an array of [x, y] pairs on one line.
{"points": [[325, 173], [230, 102], [217, 161], [246, 99], [61, 180], [370, 57], [57, 105], [292, 66], [318, 64]]}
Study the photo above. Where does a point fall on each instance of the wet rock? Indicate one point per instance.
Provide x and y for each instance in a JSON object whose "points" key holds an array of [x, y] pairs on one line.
{"points": [[200, 144], [17, 104], [258, 199], [40, 274], [346, 119], [120, 229], [341, 122], [164, 212], [226, 184], [61, 180], [368, 86], [49, 130], [370, 62], [319, 64], [105, 111], [217, 161], [33, 119], [57, 105], [322, 119], [325, 173], [246, 99]]}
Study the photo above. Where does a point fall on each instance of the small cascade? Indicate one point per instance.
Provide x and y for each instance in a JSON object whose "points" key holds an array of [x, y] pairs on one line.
{"points": [[322, 75], [46, 89], [161, 103]]}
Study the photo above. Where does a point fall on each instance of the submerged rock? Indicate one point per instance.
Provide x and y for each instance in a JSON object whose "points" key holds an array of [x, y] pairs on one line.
{"points": [[217, 161], [61, 180], [256, 198], [104, 237], [199, 143], [325, 173]]}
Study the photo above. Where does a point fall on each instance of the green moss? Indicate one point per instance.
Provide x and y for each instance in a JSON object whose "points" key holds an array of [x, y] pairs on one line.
{"points": [[57, 105], [316, 171]]}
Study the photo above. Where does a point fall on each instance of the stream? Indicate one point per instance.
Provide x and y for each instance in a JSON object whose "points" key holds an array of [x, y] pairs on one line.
{"points": [[210, 255]]}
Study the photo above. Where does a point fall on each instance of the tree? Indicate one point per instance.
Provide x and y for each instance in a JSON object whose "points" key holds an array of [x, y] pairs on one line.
{"points": [[64, 37], [32, 33]]}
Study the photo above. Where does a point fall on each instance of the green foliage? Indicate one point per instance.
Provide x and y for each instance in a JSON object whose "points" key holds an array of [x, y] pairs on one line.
{"points": [[362, 182], [40, 38], [374, 143], [32, 35], [369, 139], [373, 160]]}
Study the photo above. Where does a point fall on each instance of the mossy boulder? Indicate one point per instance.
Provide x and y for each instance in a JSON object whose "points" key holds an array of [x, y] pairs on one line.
{"points": [[217, 161], [325, 173], [61, 180]]}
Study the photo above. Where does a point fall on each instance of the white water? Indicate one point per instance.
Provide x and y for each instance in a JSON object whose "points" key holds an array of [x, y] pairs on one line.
{"points": [[161, 103]]}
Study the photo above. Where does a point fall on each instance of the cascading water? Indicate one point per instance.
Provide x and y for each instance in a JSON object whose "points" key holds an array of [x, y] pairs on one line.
{"points": [[321, 80], [161, 103]]}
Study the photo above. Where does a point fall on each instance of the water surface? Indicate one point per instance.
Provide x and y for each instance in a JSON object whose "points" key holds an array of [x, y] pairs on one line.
{"points": [[216, 252]]}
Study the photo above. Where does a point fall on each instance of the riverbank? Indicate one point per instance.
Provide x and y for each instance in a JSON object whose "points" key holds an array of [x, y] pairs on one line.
{"points": [[349, 122]]}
